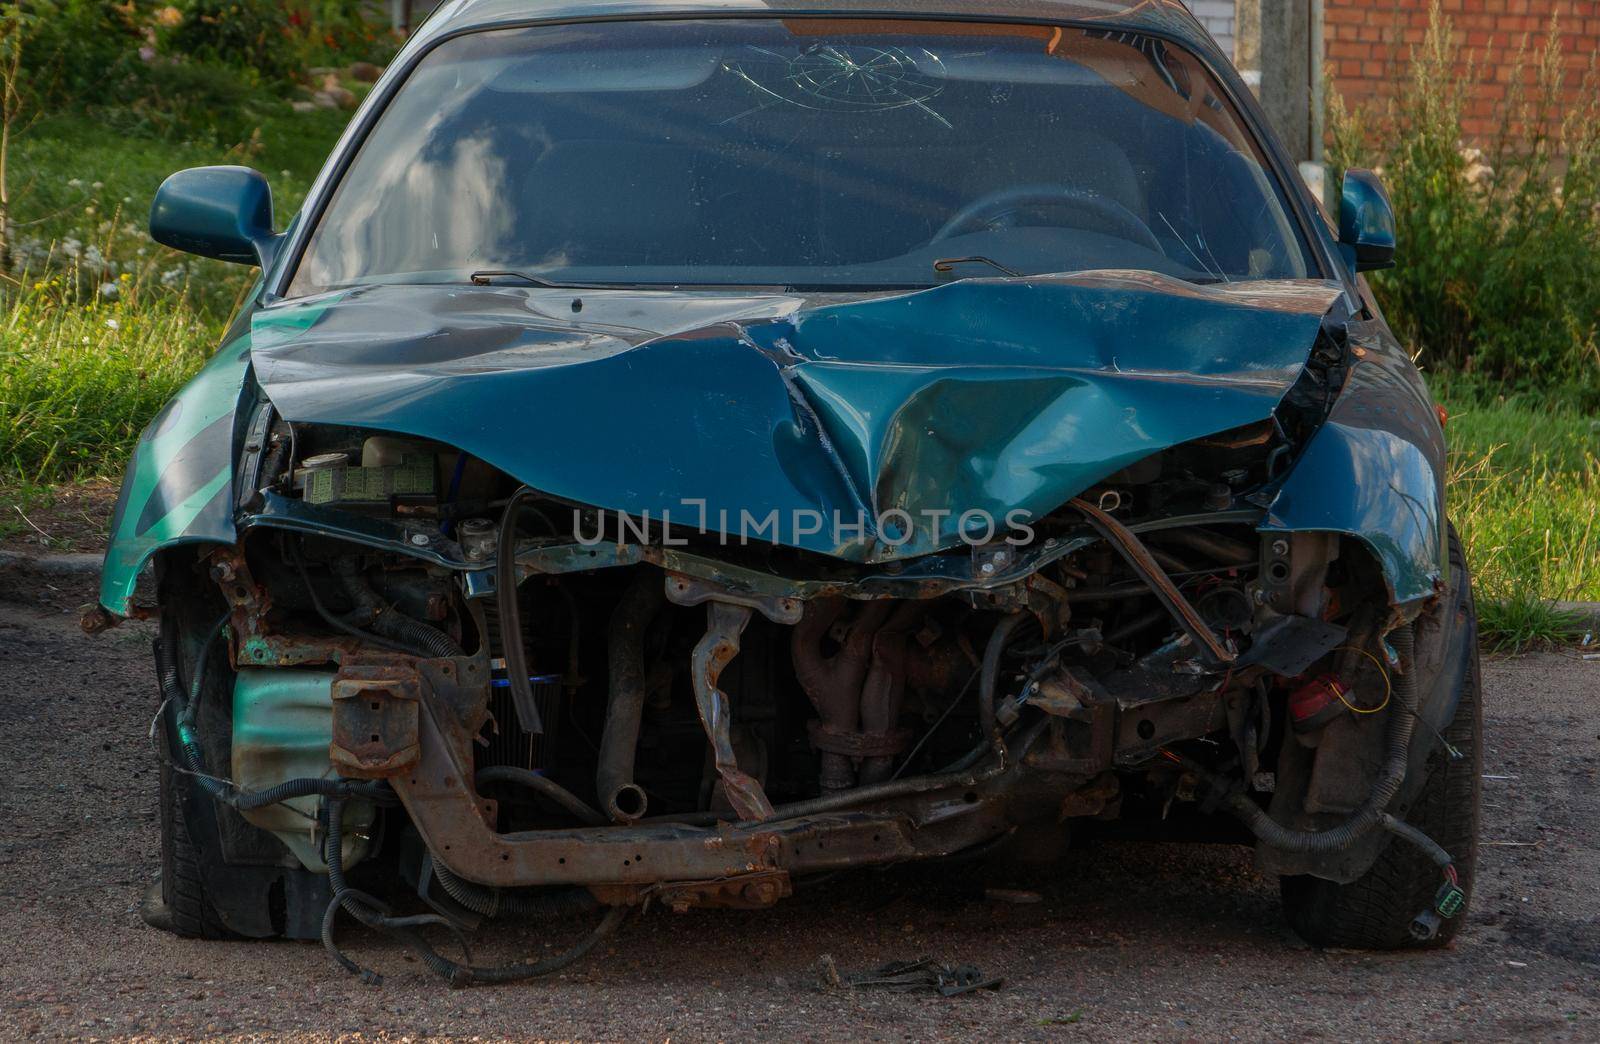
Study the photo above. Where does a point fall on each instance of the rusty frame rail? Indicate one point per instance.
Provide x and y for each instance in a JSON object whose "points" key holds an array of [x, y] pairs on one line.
{"points": [[457, 826]]}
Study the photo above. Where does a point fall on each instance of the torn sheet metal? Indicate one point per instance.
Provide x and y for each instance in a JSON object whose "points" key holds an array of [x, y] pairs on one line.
{"points": [[1375, 470], [996, 396]]}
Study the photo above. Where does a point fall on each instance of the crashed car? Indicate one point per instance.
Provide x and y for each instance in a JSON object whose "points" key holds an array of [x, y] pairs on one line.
{"points": [[680, 449]]}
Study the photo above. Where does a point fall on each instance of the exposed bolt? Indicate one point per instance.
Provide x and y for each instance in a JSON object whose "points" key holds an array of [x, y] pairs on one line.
{"points": [[1280, 547], [419, 539], [987, 568], [222, 572]]}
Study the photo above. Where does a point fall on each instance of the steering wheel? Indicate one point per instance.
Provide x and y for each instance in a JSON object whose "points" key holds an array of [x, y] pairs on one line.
{"points": [[995, 205]]}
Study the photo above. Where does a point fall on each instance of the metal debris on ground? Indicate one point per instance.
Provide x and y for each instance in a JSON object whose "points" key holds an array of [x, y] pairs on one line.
{"points": [[1020, 896], [947, 980]]}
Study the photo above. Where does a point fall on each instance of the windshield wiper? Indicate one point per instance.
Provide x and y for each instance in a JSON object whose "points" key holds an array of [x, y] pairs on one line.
{"points": [[948, 264], [487, 276]]}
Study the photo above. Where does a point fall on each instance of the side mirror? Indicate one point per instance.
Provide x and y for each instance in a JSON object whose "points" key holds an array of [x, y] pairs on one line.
{"points": [[220, 212], [1366, 222]]}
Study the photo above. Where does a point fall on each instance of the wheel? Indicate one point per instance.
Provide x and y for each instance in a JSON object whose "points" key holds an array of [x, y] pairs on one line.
{"points": [[1375, 911], [177, 900]]}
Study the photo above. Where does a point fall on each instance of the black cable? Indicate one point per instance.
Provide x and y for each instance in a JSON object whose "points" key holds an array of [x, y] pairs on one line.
{"points": [[374, 914], [191, 758], [926, 736], [544, 786], [511, 638], [989, 674], [493, 903], [192, 705]]}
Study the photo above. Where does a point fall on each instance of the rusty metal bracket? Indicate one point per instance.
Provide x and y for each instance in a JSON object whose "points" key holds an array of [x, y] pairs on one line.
{"points": [[724, 624], [755, 890], [691, 591], [1138, 556], [375, 720]]}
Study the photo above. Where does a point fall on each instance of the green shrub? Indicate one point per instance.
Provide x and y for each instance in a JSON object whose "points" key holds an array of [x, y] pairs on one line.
{"points": [[253, 36], [1499, 251], [78, 49]]}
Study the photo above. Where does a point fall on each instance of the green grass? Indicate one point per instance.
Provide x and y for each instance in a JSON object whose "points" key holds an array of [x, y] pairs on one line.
{"points": [[1524, 493], [82, 198], [82, 369], [78, 383]]}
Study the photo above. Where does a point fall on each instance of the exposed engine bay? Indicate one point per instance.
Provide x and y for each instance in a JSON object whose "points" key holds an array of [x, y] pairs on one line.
{"points": [[419, 669]]}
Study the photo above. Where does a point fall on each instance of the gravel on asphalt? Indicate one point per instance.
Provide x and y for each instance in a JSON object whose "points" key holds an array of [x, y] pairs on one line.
{"points": [[1130, 940]]}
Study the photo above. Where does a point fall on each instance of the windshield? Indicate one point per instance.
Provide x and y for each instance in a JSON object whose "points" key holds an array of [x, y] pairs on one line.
{"points": [[818, 154]]}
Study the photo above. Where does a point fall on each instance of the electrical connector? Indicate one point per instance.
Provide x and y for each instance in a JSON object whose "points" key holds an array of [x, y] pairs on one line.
{"points": [[1317, 702], [1425, 925], [1447, 902]]}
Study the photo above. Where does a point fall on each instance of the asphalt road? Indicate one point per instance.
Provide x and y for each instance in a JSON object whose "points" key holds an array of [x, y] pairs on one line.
{"points": [[1130, 940]]}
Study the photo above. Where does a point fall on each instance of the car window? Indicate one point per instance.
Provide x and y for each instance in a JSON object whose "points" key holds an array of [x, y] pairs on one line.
{"points": [[807, 153]]}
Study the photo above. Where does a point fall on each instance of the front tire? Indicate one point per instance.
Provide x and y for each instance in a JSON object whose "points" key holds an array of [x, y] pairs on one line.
{"points": [[1374, 912], [177, 903]]}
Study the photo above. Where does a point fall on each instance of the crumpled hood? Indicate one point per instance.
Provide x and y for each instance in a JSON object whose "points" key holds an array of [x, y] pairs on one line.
{"points": [[996, 396]]}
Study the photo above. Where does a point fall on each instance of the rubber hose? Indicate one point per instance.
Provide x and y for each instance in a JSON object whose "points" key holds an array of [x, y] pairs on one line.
{"points": [[457, 974], [460, 975], [626, 695], [245, 800], [1431, 848], [544, 786], [492, 903], [336, 622], [1371, 813], [390, 622], [513, 644], [989, 675]]}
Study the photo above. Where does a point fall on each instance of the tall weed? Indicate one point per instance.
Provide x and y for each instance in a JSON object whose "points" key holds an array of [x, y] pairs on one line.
{"points": [[79, 380], [1499, 251]]}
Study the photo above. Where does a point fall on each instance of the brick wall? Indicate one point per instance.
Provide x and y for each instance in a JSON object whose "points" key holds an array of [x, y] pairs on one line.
{"points": [[1217, 16], [1368, 42]]}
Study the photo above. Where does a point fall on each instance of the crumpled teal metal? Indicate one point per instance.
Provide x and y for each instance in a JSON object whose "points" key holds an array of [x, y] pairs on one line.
{"points": [[979, 397], [1375, 469]]}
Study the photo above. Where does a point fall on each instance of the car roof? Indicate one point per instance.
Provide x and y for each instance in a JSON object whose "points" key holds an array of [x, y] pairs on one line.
{"points": [[1168, 18]]}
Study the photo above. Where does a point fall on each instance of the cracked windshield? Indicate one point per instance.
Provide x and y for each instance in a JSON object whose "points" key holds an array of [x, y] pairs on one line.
{"points": [[803, 154]]}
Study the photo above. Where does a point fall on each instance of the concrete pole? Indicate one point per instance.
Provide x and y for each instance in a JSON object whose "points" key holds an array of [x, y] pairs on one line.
{"points": [[1273, 51]]}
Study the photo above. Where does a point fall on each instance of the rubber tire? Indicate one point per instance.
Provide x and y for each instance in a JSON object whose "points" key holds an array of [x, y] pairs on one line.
{"points": [[1374, 912], [184, 909]]}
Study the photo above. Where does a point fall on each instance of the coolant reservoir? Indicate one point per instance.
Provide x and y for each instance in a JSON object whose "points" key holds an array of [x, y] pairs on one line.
{"points": [[282, 729]]}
